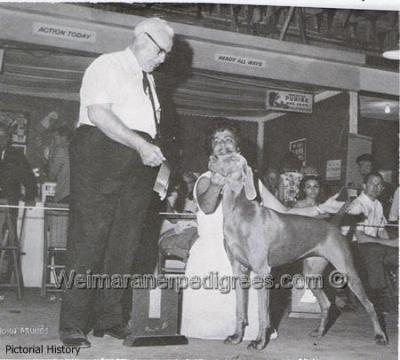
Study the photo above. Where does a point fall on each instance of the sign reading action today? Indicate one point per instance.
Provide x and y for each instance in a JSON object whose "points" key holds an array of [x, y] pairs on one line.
{"points": [[64, 32], [289, 101]]}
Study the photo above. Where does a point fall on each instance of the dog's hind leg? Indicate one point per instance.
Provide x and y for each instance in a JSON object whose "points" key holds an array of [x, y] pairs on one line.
{"points": [[313, 269], [340, 257], [242, 299]]}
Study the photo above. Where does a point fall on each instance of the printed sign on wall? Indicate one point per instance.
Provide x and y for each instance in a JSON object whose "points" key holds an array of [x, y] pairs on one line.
{"points": [[64, 32], [289, 101], [334, 170], [298, 147]]}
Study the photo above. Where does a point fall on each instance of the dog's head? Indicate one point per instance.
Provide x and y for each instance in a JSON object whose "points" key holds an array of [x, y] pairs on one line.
{"points": [[236, 172]]}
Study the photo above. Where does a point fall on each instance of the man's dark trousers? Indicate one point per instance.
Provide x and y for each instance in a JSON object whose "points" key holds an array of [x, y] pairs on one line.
{"points": [[110, 193]]}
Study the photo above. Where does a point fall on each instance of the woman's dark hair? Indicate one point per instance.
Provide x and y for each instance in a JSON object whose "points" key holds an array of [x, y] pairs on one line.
{"points": [[302, 193], [220, 124]]}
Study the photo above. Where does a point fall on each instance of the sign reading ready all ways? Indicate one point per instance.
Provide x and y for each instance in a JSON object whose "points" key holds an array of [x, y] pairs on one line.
{"points": [[64, 32], [289, 101], [238, 60]]}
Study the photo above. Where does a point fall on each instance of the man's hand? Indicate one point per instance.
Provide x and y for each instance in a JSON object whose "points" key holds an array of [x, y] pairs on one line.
{"points": [[331, 206], [150, 154]]}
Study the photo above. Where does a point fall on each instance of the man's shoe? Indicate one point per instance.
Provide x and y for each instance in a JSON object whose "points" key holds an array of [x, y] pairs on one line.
{"points": [[274, 335], [74, 337], [118, 332]]}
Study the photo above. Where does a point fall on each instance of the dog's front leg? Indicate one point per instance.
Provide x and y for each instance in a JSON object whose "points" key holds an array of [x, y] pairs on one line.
{"points": [[242, 297], [264, 330]]}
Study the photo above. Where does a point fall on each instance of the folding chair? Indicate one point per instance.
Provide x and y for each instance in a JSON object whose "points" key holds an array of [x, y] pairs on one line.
{"points": [[10, 253], [55, 242]]}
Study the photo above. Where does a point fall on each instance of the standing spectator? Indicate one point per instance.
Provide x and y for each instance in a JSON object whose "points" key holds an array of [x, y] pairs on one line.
{"points": [[114, 160], [59, 170], [15, 172], [394, 209], [365, 163]]}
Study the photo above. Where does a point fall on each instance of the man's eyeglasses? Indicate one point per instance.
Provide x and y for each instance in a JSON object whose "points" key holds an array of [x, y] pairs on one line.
{"points": [[160, 49]]}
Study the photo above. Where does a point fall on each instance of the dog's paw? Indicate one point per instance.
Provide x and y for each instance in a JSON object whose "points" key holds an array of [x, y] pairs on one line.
{"points": [[234, 339], [317, 333], [381, 340], [257, 345]]}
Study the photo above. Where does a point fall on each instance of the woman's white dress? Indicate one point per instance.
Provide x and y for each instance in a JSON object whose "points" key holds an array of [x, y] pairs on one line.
{"points": [[211, 313]]}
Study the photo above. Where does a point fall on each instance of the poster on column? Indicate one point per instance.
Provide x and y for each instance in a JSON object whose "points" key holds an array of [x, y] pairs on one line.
{"points": [[286, 64], [298, 147]]}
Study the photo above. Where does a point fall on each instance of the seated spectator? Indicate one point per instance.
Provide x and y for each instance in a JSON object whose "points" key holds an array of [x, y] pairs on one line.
{"points": [[310, 193], [367, 164], [271, 180], [177, 236], [59, 171], [373, 241]]}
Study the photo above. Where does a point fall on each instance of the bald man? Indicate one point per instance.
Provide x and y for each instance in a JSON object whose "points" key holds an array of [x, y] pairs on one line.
{"points": [[114, 161]]}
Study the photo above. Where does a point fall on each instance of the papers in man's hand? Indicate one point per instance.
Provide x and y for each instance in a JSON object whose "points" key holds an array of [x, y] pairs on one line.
{"points": [[162, 181]]}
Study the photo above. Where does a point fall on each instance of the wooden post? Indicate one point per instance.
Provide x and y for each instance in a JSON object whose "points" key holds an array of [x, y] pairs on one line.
{"points": [[260, 144], [353, 112], [287, 23]]}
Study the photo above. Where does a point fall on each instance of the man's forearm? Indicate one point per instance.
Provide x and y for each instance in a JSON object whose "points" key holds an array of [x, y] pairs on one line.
{"points": [[367, 239], [112, 126]]}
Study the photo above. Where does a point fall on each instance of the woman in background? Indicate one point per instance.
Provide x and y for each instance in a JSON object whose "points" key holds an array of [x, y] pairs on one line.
{"points": [[310, 192]]}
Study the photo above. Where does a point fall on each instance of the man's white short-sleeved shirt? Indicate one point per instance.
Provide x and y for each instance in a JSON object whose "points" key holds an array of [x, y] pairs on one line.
{"points": [[373, 211], [117, 79]]}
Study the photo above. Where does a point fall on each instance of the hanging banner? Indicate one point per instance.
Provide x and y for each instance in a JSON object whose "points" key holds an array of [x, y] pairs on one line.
{"points": [[289, 101], [64, 32]]}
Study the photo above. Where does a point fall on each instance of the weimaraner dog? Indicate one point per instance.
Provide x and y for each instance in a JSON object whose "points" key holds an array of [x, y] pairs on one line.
{"points": [[257, 239]]}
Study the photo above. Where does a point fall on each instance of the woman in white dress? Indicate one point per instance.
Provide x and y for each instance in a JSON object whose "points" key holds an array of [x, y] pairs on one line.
{"points": [[210, 313]]}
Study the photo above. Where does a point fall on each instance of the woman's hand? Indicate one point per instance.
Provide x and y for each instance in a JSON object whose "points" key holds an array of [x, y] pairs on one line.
{"points": [[217, 179], [331, 206]]}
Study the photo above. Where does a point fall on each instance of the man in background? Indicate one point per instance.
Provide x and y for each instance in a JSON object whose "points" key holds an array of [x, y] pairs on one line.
{"points": [[15, 173], [374, 244]]}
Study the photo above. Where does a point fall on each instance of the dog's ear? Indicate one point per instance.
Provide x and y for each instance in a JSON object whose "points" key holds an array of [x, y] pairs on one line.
{"points": [[249, 188]]}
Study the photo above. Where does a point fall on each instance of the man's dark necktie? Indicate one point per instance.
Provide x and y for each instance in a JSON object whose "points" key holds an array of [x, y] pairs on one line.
{"points": [[149, 93]]}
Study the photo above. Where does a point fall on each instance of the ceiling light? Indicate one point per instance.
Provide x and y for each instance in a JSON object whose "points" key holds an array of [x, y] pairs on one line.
{"points": [[392, 54], [387, 109]]}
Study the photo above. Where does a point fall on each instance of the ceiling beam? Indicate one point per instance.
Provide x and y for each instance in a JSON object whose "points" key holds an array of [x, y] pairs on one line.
{"points": [[107, 31], [379, 81]]}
